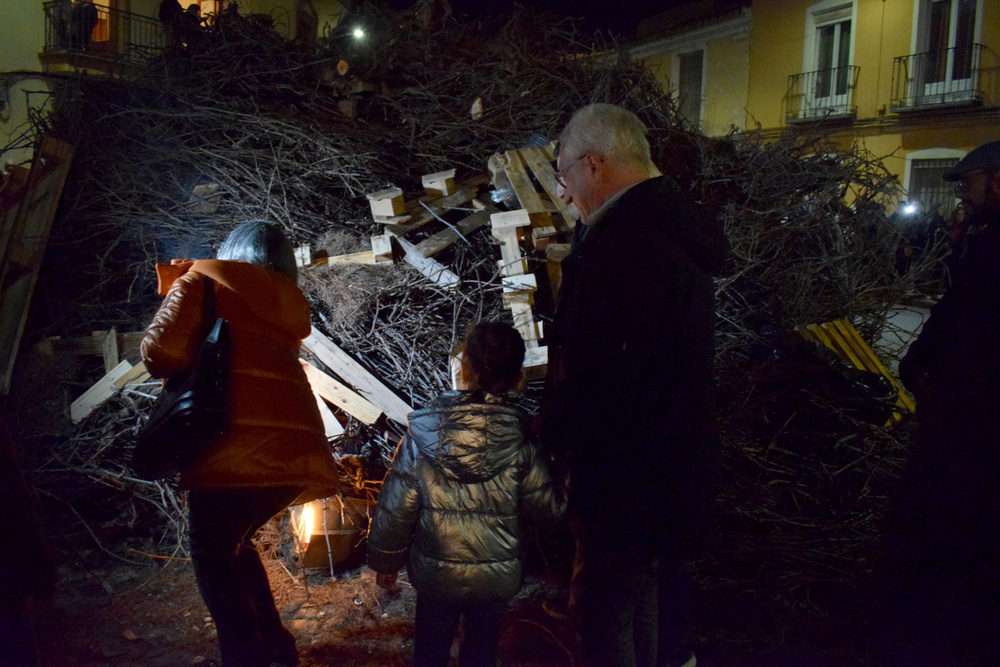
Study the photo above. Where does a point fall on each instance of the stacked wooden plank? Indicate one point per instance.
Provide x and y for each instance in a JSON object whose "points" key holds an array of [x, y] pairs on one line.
{"points": [[28, 202], [451, 208], [841, 337], [357, 392], [538, 229]]}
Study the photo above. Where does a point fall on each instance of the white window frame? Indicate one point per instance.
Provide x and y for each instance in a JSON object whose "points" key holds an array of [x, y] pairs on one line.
{"points": [[949, 89], [817, 16]]}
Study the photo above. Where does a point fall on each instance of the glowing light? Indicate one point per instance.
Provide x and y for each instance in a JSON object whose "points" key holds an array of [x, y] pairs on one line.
{"points": [[358, 33], [910, 208]]}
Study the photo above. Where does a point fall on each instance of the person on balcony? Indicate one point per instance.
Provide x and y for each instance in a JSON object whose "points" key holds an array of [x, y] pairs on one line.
{"points": [[171, 14], [83, 20]]}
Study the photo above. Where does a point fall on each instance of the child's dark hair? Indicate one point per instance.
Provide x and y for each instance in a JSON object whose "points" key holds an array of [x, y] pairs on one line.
{"points": [[494, 351]]}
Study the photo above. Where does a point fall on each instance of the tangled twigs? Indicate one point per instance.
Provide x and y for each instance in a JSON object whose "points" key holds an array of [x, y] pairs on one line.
{"points": [[256, 127]]}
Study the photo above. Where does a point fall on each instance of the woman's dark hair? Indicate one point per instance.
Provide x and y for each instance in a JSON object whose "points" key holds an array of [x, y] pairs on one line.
{"points": [[262, 244], [495, 353]]}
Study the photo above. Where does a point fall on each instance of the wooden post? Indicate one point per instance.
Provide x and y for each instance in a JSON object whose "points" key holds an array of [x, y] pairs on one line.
{"points": [[25, 245]]}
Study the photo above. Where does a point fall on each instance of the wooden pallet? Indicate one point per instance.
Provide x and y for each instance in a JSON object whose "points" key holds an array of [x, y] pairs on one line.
{"points": [[841, 337]]}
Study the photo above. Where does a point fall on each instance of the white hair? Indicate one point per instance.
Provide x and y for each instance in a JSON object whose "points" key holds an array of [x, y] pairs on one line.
{"points": [[610, 131]]}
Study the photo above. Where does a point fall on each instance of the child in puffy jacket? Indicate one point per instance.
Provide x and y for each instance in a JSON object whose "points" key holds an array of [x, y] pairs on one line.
{"points": [[451, 508]]}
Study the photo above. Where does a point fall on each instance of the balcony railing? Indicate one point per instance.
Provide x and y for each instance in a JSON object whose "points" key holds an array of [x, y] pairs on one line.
{"points": [[100, 34], [821, 95], [960, 75]]}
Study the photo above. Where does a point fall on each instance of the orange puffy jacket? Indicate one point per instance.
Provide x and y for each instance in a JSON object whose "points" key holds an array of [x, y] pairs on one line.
{"points": [[276, 435]]}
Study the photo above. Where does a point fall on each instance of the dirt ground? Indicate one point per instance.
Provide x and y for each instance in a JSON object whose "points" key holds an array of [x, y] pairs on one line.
{"points": [[135, 616], [153, 617]]}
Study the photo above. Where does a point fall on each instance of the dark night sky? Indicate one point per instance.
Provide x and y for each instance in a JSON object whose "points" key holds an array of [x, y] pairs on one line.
{"points": [[619, 16]]}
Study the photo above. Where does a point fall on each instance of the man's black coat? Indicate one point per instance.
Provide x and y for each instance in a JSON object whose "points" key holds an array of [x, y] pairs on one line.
{"points": [[630, 406]]}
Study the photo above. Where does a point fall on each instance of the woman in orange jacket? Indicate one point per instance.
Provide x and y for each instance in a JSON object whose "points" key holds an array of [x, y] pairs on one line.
{"points": [[274, 452]]}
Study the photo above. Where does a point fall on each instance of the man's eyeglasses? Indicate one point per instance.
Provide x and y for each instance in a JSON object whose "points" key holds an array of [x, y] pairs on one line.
{"points": [[560, 175], [963, 184]]}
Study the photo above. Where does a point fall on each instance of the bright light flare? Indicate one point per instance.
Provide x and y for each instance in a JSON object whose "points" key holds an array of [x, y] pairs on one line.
{"points": [[358, 33], [910, 208]]}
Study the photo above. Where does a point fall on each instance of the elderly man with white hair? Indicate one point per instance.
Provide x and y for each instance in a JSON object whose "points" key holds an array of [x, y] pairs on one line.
{"points": [[630, 406]]}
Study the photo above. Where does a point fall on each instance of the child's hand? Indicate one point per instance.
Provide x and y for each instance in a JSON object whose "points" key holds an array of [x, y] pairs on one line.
{"points": [[386, 580]]}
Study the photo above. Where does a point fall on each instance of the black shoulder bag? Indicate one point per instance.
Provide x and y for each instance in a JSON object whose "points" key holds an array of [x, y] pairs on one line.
{"points": [[192, 410]]}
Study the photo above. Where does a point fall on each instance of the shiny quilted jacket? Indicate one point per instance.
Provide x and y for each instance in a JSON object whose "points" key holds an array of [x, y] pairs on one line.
{"points": [[451, 508]]}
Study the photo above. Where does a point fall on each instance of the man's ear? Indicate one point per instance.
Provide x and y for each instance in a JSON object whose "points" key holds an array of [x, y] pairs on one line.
{"points": [[596, 164]]}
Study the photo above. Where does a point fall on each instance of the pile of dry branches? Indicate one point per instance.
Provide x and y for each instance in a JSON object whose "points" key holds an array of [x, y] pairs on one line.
{"points": [[260, 125]]}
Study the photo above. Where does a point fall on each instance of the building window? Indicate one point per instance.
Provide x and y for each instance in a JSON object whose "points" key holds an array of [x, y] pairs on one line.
{"points": [[825, 88], [833, 57], [689, 85], [947, 35], [927, 187]]}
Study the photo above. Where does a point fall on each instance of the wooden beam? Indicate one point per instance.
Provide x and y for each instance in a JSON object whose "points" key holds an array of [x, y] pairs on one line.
{"points": [[505, 226], [137, 375], [25, 246], [365, 257], [432, 245], [11, 194], [109, 350], [435, 271], [357, 376], [541, 167], [344, 398], [519, 180], [128, 344], [519, 289], [536, 361], [438, 207], [99, 392], [331, 425], [439, 184], [524, 322], [386, 203]]}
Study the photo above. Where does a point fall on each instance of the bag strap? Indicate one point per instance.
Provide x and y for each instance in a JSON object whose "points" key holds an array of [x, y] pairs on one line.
{"points": [[208, 305]]}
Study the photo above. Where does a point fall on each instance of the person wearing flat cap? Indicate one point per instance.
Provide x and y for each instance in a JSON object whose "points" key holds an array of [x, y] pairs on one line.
{"points": [[941, 568]]}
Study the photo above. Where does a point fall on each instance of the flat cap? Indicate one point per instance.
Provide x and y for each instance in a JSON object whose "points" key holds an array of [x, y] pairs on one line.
{"points": [[986, 156]]}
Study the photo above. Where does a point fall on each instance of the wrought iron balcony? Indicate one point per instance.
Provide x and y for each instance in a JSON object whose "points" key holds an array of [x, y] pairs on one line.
{"points": [[825, 94], [84, 36], [962, 75]]}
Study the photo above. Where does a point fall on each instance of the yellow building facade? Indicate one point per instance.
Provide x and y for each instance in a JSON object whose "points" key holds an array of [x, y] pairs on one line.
{"points": [[916, 82], [31, 36]]}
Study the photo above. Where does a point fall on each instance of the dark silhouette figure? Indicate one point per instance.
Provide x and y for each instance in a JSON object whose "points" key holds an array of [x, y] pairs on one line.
{"points": [[941, 573], [27, 573], [630, 405], [82, 22]]}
